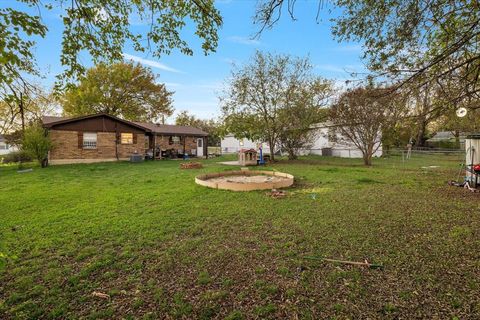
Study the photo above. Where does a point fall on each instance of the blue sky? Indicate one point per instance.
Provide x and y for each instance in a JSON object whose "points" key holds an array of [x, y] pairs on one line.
{"points": [[197, 80]]}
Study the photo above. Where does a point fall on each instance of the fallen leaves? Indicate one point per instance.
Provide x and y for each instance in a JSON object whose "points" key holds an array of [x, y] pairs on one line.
{"points": [[191, 165]]}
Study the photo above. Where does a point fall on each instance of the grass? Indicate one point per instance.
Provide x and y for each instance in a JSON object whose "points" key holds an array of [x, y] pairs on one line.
{"points": [[163, 247]]}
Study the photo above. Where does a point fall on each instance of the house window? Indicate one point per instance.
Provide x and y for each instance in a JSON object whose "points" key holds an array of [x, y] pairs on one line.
{"points": [[175, 139], [89, 140], [3, 146], [126, 138]]}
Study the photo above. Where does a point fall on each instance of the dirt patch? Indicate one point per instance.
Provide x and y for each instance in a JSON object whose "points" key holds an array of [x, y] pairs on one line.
{"points": [[245, 180], [191, 165], [248, 179]]}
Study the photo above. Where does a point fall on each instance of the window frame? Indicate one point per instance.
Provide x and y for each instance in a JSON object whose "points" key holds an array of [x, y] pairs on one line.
{"points": [[126, 133], [172, 141], [91, 145]]}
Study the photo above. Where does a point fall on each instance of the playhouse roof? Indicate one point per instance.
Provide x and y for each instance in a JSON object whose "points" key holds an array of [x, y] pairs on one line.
{"points": [[248, 150]]}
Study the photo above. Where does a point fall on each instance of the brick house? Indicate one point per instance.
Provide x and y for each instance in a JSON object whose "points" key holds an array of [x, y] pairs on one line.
{"points": [[102, 137]]}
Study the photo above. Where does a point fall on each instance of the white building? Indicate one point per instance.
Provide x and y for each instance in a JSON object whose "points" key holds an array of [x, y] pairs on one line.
{"points": [[322, 145], [5, 148], [230, 144]]}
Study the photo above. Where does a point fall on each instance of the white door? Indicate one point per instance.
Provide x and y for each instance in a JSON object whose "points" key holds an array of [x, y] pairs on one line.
{"points": [[200, 147]]}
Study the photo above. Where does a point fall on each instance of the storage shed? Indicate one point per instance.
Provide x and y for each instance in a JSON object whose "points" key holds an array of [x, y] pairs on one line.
{"points": [[472, 161]]}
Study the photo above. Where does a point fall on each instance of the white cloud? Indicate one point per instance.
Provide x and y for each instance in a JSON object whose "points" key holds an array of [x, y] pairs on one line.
{"points": [[244, 40], [330, 68], [348, 68], [151, 63], [211, 85], [348, 48], [171, 84], [231, 61]]}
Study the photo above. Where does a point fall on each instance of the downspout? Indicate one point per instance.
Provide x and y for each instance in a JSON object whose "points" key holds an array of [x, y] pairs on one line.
{"points": [[205, 147], [116, 141], [154, 146], [184, 149]]}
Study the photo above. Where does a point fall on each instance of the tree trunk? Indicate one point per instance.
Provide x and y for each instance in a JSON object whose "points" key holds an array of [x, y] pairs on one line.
{"points": [[291, 154], [22, 112], [457, 139], [272, 149], [367, 159], [367, 156], [421, 133]]}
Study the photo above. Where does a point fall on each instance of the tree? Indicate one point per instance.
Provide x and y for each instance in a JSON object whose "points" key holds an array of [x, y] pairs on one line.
{"points": [[102, 28], [258, 92], [451, 122], [359, 116], [36, 143], [22, 104], [126, 90], [436, 41], [305, 109], [210, 126]]}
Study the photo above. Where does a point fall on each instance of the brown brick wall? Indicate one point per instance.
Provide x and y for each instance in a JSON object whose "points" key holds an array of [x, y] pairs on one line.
{"points": [[65, 146], [190, 143]]}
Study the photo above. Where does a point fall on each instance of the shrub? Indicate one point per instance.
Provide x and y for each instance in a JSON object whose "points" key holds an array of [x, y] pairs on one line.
{"points": [[16, 156], [36, 143]]}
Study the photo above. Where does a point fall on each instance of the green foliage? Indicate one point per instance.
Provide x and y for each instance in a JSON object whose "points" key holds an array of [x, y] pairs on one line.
{"points": [[359, 116], [305, 110], [102, 28], [123, 89], [263, 94], [36, 143], [16, 156], [403, 34], [211, 126], [19, 98], [16, 54], [451, 122], [413, 43]]}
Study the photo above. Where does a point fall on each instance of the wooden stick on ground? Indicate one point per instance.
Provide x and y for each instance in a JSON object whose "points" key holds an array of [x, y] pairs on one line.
{"points": [[355, 263]]}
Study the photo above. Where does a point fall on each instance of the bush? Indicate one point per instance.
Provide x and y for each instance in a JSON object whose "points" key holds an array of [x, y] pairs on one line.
{"points": [[36, 143], [16, 156]]}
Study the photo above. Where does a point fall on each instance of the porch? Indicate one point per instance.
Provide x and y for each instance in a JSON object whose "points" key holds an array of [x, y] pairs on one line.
{"points": [[163, 146]]}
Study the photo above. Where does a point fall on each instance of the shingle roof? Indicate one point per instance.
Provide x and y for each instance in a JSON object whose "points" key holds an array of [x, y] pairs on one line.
{"points": [[51, 119], [172, 129], [157, 128]]}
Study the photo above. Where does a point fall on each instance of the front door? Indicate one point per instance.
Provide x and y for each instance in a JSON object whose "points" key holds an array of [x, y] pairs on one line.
{"points": [[200, 147]]}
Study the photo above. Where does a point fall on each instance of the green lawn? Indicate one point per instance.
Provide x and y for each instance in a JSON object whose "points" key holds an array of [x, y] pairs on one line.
{"points": [[163, 247]]}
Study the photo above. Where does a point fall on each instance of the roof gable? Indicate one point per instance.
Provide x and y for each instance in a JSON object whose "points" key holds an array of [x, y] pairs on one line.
{"points": [[166, 129], [49, 121], [173, 129]]}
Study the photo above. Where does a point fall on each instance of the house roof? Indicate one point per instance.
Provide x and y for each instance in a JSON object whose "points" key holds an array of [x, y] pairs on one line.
{"points": [[49, 121], [172, 129]]}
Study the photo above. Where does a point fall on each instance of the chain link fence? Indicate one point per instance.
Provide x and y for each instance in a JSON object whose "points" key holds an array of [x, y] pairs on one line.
{"points": [[449, 161]]}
